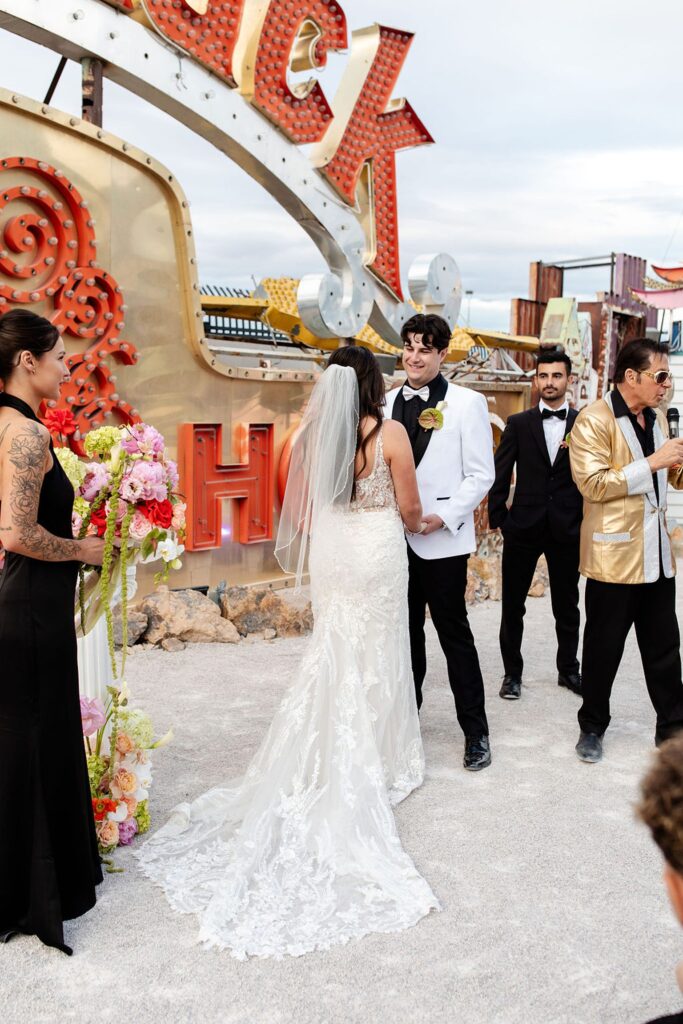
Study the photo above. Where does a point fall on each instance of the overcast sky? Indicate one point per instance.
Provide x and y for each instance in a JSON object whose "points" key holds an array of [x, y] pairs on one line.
{"points": [[559, 134]]}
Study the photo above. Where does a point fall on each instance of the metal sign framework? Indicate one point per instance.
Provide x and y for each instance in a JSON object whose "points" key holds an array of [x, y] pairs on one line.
{"points": [[345, 199]]}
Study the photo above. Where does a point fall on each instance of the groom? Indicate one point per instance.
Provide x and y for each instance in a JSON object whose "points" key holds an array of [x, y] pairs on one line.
{"points": [[454, 463]]}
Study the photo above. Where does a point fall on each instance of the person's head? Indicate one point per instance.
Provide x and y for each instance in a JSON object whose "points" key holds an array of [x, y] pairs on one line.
{"points": [[426, 338], [642, 372], [32, 355], [553, 370], [661, 808]]}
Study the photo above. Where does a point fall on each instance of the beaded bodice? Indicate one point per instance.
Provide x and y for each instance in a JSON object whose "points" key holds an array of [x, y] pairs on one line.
{"points": [[377, 489]]}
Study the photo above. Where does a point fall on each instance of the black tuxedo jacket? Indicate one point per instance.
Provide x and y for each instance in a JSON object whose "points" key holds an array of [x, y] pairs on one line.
{"points": [[547, 502]]}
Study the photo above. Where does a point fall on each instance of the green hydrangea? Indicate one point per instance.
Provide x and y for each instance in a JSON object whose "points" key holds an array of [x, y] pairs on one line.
{"points": [[142, 817], [138, 726], [81, 507], [102, 440], [96, 769], [72, 466]]}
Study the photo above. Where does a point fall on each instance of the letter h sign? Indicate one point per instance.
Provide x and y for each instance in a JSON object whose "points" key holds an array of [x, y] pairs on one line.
{"points": [[206, 483]]}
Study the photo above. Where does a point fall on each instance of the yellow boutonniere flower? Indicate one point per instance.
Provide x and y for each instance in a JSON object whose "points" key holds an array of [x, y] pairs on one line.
{"points": [[567, 439], [432, 419]]}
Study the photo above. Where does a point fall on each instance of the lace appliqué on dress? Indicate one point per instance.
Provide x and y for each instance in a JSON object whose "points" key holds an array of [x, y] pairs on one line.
{"points": [[302, 853]]}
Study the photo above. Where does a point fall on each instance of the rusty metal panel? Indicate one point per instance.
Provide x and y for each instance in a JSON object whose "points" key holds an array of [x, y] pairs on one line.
{"points": [[545, 282]]}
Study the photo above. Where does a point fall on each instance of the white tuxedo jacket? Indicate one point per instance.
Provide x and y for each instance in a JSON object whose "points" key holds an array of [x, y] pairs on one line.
{"points": [[455, 472]]}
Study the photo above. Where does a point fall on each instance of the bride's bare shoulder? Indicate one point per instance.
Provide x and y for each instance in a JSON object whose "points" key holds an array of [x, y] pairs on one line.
{"points": [[395, 434]]}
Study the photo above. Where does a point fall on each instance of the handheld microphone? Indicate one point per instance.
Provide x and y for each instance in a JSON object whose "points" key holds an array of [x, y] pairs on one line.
{"points": [[672, 418]]}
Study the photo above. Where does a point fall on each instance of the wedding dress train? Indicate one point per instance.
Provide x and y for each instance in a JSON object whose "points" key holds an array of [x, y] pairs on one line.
{"points": [[303, 852]]}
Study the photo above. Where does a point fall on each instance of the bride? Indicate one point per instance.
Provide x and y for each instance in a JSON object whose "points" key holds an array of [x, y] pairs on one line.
{"points": [[302, 852]]}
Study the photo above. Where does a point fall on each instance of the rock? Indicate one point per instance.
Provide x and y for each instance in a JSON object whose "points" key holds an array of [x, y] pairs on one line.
{"points": [[253, 610], [536, 590], [137, 624], [253, 638], [483, 578], [269, 634], [541, 581], [173, 645], [677, 540], [186, 615]]}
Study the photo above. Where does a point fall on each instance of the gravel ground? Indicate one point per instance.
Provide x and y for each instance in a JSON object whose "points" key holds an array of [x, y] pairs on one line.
{"points": [[554, 909]]}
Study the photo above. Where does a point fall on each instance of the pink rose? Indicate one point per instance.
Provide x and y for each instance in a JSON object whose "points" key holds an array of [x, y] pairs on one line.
{"points": [[124, 743], [93, 715], [178, 520], [139, 526], [127, 831], [107, 833], [121, 509], [132, 805]]}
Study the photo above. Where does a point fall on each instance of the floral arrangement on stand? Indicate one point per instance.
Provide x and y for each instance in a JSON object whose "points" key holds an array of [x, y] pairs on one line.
{"points": [[128, 495], [119, 780]]}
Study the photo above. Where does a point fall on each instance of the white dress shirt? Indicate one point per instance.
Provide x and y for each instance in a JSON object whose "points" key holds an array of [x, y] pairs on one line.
{"points": [[554, 429]]}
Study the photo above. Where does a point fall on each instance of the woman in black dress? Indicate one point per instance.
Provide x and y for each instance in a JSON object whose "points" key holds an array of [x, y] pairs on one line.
{"points": [[49, 864]]}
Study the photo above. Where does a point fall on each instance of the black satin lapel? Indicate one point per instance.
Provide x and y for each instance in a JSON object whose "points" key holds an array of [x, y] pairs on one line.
{"points": [[438, 393], [398, 406], [537, 431]]}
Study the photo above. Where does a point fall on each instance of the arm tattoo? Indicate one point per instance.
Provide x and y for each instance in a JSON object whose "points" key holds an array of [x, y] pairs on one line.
{"points": [[27, 452]]}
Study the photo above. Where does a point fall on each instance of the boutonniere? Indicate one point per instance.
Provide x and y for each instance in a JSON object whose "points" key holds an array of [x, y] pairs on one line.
{"points": [[432, 419], [567, 438]]}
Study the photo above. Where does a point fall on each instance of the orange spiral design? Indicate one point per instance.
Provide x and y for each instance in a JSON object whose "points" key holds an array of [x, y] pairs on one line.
{"points": [[48, 252]]}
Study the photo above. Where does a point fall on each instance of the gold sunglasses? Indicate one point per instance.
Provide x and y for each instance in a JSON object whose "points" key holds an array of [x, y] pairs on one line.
{"points": [[660, 377]]}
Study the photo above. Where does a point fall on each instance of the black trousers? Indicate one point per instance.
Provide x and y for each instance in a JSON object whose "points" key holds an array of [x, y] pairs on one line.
{"points": [[611, 610], [519, 565], [440, 585]]}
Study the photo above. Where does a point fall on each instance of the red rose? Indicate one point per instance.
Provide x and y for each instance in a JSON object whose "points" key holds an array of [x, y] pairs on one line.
{"points": [[98, 519], [60, 422], [159, 513]]}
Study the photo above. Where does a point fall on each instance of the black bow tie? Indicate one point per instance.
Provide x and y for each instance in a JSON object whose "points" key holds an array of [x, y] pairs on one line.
{"points": [[561, 414]]}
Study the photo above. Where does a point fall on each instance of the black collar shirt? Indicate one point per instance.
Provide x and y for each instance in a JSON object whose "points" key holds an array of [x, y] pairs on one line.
{"points": [[645, 435]]}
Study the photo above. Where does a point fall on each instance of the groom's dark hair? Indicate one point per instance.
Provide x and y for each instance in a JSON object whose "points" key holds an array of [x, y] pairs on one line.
{"points": [[435, 331]]}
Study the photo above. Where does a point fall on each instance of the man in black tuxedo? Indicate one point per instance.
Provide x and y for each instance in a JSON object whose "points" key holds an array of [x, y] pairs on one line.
{"points": [[544, 518]]}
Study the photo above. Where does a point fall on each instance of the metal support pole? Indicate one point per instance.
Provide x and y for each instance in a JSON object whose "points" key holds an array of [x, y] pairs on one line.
{"points": [[92, 90], [55, 81]]}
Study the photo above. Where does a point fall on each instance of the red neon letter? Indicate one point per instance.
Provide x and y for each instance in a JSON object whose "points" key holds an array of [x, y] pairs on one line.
{"points": [[205, 483], [210, 36], [376, 129], [297, 36]]}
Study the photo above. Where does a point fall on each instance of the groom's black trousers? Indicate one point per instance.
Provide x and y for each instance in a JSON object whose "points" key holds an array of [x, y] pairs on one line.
{"points": [[440, 584]]}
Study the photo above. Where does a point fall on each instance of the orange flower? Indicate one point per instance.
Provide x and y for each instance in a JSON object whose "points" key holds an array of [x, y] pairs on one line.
{"points": [[102, 806], [124, 744], [123, 784]]}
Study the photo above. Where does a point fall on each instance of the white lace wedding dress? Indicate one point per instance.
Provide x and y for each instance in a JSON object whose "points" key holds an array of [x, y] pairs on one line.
{"points": [[302, 852]]}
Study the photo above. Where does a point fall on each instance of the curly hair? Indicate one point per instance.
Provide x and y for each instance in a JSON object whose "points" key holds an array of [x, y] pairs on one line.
{"points": [[661, 806]]}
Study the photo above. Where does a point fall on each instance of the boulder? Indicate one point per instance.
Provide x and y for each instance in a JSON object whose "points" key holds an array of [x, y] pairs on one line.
{"points": [[137, 624], [254, 610], [483, 578], [186, 615], [173, 645]]}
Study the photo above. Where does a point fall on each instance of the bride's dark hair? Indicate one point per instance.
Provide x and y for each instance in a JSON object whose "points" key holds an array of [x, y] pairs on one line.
{"points": [[371, 392]]}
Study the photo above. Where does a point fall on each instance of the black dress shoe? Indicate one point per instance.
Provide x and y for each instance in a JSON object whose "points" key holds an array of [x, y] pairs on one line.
{"points": [[477, 753], [589, 747], [511, 688], [572, 680]]}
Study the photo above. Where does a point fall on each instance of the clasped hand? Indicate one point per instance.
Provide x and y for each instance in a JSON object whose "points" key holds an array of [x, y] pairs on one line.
{"points": [[430, 524]]}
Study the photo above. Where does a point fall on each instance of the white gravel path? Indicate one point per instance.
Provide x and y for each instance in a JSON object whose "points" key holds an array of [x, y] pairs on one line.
{"points": [[554, 910]]}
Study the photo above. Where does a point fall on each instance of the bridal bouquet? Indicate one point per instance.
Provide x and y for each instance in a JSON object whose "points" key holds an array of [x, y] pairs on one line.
{"points": [[128, 495], [121, 778]]}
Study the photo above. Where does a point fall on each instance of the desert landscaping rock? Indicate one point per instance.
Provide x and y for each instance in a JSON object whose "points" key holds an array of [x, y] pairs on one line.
{"points": [[137, 624], [186, 615], [173, 645], [254, 610]]}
